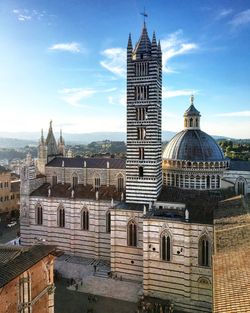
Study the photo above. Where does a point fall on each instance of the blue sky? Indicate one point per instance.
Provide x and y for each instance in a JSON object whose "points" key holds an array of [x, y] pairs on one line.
{"points": [[65, 61]]}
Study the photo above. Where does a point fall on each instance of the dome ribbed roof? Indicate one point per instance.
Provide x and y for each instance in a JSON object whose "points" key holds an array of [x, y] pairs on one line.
{"points": [[193, 145]]}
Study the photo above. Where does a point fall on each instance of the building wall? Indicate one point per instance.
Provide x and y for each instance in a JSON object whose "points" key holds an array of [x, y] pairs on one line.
{"points": [[71, 239], [86, 176], [233, 176], [181, 279], [9, 200], [41, 285], [126, 261]]}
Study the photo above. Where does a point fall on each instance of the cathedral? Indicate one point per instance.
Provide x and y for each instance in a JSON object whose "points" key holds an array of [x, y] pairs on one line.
{"points": [[151, 215]]}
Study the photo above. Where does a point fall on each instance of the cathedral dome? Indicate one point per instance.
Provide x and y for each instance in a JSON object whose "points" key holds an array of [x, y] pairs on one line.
{"points": [[193, 145]]}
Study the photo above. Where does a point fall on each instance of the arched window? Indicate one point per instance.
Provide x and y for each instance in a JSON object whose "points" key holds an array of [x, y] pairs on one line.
{"points": [[120, 183], [97, 183], [204, 251], [39, 214], [208, 182], [191, 122], [61, 217], [166, 247], [140, 171], [240, 186], [132, 234], [54, 180], [85, 219], [108, 222], [74, 181]]}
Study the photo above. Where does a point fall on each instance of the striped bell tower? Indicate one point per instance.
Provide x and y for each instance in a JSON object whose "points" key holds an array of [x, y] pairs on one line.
{"points": [[144, 95]]}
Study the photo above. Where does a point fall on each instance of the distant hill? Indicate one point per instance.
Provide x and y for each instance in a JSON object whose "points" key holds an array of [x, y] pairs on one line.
{"points": [[21, 139]]}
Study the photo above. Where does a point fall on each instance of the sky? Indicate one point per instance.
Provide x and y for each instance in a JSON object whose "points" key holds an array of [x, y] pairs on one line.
{"points": [[66, 61]]}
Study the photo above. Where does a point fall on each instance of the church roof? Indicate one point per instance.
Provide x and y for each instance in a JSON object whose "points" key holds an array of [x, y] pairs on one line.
{"points": [[193, 145], [90, 163], [80, 192], [200, 203], [238, 165], [191, 111]]}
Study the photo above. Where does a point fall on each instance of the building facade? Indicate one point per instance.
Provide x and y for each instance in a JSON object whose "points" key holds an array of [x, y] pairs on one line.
{"points": [[9, 192], [160, 234]]}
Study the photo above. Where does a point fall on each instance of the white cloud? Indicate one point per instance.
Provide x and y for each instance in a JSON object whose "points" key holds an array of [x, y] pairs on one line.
{"points": [[235, 114], [24, 15], [68, 46], [115, 61], [241, 19], [173, 46], [74, 96], [170, 93], [224, 13]]}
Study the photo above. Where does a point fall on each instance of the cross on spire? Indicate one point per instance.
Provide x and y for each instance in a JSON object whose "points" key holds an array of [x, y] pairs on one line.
{"points": [[144, 14]]}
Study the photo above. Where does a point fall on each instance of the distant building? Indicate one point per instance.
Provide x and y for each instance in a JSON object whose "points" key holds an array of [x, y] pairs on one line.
{"points": [[26, 279], [151, 217], [48, 149], [9, 191]]}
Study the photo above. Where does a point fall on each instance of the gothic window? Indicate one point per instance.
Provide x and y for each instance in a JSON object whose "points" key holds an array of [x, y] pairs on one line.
{"points": [[204, 251], [74, 181], [54, 180], [39, 214], [141, 92], [140, 171], [208, 182], [166, 247], [97, 183], [141, 153], [141, 133], [132, 234], [141, 69], [61, 217], [141, 114], [120, 183], [108, 222], [85, 219]]}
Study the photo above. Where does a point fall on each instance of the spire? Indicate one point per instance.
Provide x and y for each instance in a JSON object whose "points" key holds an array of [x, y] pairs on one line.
{"points": [[159, 45], [154, 49], [143, 46], [42, 137], [129, 46], [51, 142], [154, 42]]}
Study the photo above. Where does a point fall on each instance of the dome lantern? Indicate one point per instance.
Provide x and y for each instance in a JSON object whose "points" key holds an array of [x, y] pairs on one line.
{"points": [[192, 116]]}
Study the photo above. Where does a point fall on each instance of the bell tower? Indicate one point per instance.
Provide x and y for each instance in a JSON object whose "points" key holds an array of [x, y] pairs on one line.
{"points": [[144, 97]]}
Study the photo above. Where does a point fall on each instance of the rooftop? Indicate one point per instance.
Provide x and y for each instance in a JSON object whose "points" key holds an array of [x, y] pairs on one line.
{"points": [[237, 165], [90, 162], [80, 192], [15, 261], [200, 203], [232, 281]]}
